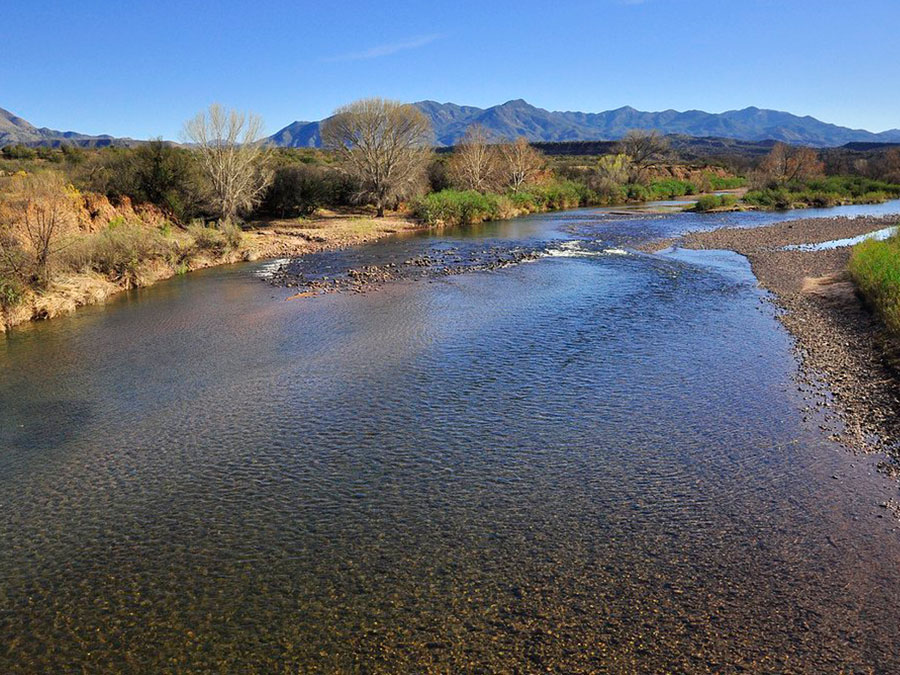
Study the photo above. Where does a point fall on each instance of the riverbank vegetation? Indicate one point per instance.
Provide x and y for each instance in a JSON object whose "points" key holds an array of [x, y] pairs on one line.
{"points": [[119, 217], [796, 178], [875, 267], [822, 191], [715, 202]]}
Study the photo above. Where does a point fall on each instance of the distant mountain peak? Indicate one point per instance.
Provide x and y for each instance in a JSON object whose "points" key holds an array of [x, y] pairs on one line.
{"points": [[516, 103], [15, 131], [8, 119]]}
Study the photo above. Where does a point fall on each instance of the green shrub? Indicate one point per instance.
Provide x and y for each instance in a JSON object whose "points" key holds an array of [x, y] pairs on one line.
{"points": [[710, 202], [154, 172], [456, 207], [297, 190], [464, 207], [605, 192], [875, 267], [559, 194], [725, 182], [770, 198], [526, 201], [672, 188], [823, 192], [637, 192], [875, 197], [12, 292]]}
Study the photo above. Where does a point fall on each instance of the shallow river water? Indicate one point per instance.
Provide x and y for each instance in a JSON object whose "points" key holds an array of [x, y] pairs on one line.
{"points": [[597, 460]]}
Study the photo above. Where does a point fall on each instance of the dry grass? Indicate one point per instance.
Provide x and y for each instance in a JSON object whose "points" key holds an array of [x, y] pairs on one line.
{"points": [[111, 249], [276, 238]]}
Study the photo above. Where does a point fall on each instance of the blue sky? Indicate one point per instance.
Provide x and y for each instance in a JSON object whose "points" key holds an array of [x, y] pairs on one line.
{"points": [[141, 68]]}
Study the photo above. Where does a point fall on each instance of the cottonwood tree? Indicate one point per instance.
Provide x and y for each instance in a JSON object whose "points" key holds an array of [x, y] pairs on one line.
{"points": [[520, 163], [231, 154], [786, 163], [887, 166], [384, 145], [646, 150], [612, 173], [614, 168], [474, 164]]}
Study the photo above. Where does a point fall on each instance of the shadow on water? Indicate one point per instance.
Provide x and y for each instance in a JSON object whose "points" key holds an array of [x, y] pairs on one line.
{"points": [[594, 461]]}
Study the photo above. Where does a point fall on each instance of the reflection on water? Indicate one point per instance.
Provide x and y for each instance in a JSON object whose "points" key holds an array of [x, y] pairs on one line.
{"points": [[878, 235], [589, 462]]}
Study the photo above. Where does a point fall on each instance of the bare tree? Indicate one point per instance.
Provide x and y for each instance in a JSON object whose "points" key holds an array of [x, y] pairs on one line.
{"points": [[44, 214], [520, 163], [474, 164], [886, 166], [787, 163], [384, 145], [646, 150], [230, 148]]}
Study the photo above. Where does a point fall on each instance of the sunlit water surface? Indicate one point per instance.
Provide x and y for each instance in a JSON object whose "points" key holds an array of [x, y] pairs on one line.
{"points": [[596, 461]]}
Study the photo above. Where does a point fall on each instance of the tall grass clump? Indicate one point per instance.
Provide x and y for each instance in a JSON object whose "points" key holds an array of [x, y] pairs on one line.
{"points": [[875, 267], [118, 251], [770, 198], [12, 293], [218, 239]]}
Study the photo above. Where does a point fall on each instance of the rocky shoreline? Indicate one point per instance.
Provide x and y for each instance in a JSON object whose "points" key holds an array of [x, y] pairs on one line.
{"points": [[435, 263], [841, 345]]}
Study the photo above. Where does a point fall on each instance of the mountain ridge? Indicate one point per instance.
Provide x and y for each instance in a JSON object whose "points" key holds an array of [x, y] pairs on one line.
{"points": [[517, 117], [15, 130]]}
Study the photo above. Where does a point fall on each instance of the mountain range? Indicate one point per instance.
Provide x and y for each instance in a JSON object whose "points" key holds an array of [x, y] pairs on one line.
{"points": [[519, 118], [14, 130]]}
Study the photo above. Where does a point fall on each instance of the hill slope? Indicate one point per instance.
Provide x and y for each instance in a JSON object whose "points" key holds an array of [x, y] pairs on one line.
{"points": [[14, 130]]}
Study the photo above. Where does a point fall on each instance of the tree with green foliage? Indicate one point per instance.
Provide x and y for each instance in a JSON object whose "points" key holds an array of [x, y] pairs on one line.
{"points": [[166, 176], [297, 190], [614, 168]]}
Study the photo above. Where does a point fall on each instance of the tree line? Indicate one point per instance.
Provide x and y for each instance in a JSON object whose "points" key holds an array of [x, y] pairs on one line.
{"points": [[380, 153]]}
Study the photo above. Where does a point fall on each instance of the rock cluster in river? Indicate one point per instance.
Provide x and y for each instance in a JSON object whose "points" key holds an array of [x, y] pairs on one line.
{"points": [[439, 262]]}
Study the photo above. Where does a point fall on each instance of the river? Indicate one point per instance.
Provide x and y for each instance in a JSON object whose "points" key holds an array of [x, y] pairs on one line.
{"points": [[595, 460]]}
